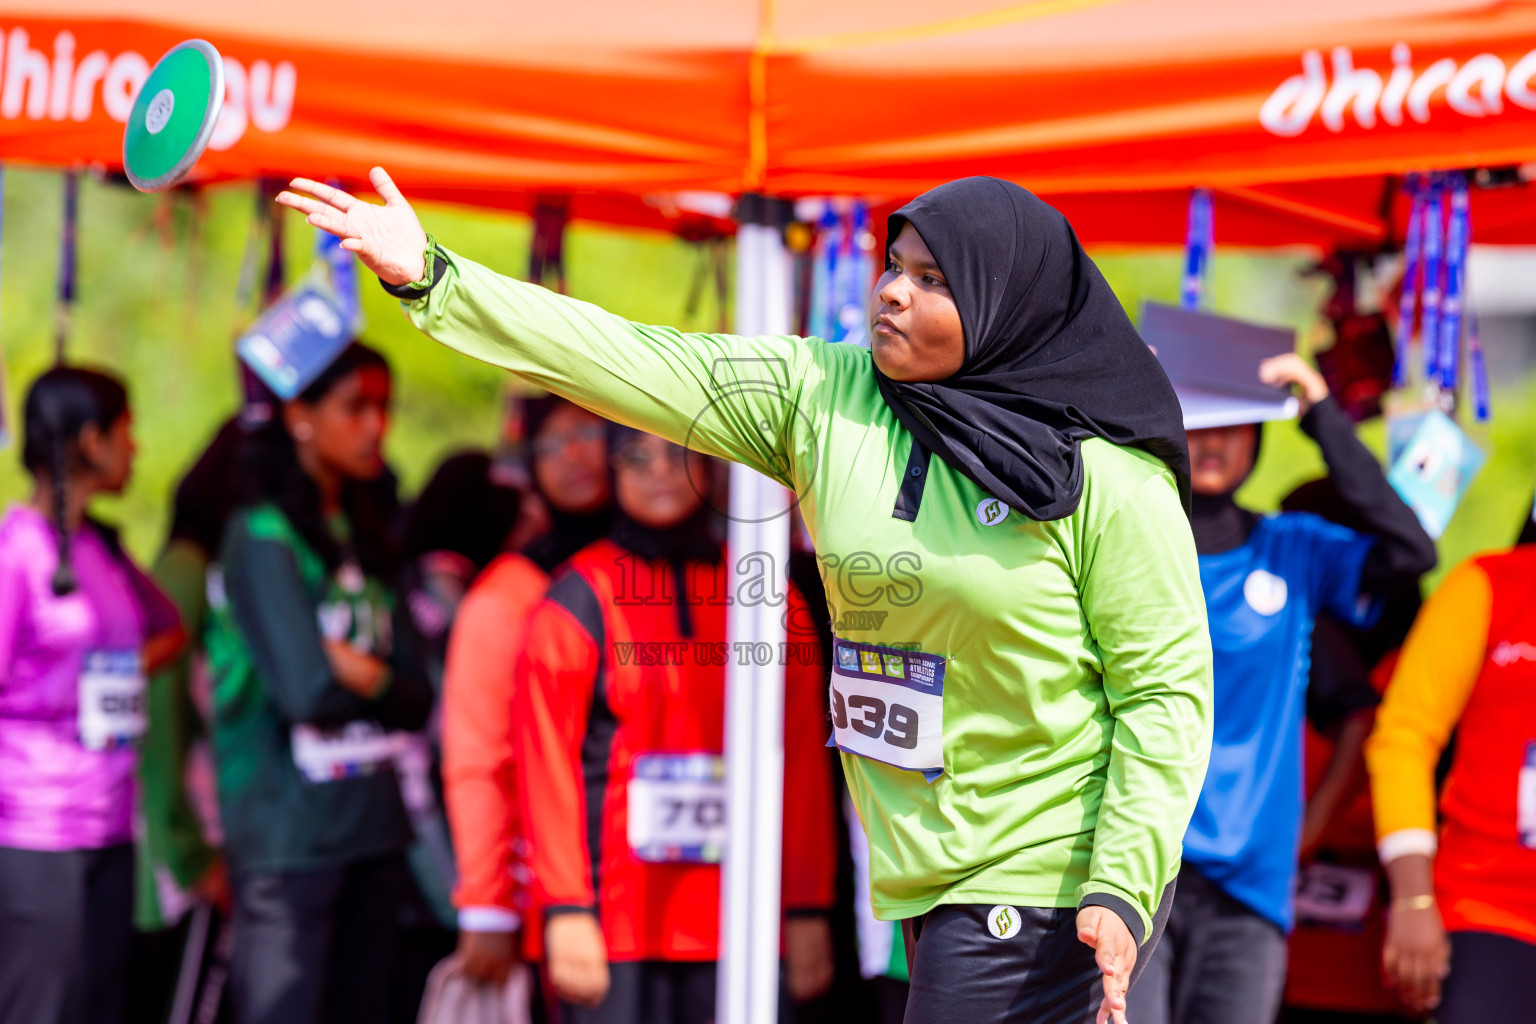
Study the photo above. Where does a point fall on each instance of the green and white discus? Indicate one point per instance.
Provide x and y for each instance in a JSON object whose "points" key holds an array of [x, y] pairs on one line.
{"points": [[174, 115]]}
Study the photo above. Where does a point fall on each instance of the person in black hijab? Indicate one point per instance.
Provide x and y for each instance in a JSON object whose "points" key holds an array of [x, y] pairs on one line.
{"points": [[1021, 681], [1049, 356]]}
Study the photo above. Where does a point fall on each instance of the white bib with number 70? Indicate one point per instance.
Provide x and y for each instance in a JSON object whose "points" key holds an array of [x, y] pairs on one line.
{"points": [[111, 699], [677, 808], [888, 705]]}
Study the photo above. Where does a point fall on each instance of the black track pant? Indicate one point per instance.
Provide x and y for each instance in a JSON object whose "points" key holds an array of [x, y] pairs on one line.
{"points": [[652, 992], [1041, 974], [1493, 980], [318, 947], [66, 918]]}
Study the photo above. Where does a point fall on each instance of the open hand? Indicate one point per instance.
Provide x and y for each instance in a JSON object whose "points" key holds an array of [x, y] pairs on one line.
{"points": [[1115, 951], [388, 239]]}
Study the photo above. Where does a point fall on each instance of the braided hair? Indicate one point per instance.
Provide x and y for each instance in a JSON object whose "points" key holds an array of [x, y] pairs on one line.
{"points": [[59, 405]]}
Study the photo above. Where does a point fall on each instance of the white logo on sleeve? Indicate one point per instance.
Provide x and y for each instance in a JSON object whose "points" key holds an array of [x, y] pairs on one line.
{"points": [[1003, 922], [991, 512], [1265, 592]]}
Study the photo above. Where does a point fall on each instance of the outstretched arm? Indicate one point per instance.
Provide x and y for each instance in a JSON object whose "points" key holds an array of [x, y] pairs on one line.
{"points": [[750, 400], [1403, 551]]}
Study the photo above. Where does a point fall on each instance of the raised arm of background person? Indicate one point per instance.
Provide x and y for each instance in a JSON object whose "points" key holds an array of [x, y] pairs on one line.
{"points": [[1403, 551], [276, 617], [724, 395], [556, 676], [479, 771], [173, 834], [1140, 587]]}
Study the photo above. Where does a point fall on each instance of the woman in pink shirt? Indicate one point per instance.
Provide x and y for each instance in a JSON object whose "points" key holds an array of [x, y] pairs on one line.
{"points": [[80, 628]]}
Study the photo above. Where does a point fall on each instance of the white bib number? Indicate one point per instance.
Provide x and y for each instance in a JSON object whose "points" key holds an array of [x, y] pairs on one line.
{"points": [[1526, 800], [677, 808], [888, 705], [111, 699], [1334, 895], [357, 748]]}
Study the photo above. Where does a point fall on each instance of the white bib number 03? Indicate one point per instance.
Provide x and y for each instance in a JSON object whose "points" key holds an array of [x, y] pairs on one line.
{"points": [[888, 705], [357, 748], [677, 808], [111, 699]]}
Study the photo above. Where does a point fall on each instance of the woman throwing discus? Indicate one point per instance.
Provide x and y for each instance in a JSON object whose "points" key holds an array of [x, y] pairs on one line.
{"points": [[997, 492]]}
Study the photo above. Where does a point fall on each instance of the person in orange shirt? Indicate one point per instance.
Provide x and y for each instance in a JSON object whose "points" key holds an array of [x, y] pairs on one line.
{"points": [[621, 720], [570, 475], [1461, 931]]}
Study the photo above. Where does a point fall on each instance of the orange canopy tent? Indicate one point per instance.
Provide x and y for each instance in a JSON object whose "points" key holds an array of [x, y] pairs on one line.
{"points": [[1296, 113]]}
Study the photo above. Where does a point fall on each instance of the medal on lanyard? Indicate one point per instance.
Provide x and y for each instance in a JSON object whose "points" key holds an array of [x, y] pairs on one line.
{"points": [[1458, 237], [1197, 248], [1434, 225], [1407, 309]]}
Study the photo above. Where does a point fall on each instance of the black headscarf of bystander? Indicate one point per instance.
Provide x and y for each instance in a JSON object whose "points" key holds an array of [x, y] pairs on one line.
{"points": [[1050, 357]]}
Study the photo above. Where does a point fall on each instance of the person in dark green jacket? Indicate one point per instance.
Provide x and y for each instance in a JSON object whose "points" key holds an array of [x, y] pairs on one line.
{"points": [[316, 670], [997, 492]]}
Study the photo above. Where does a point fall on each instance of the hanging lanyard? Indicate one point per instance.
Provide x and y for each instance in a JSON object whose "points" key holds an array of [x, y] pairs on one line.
{"points": [[1434, 224], [1408, 304], [1482, 403], [1458, 236], [1197, 247]]}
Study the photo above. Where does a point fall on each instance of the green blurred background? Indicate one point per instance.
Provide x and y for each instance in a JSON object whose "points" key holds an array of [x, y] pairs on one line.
{"points": [[158, 302]]}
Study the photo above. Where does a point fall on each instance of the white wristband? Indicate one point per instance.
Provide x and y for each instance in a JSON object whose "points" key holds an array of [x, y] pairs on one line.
{"points": [[489, 919], [1406, 842]]}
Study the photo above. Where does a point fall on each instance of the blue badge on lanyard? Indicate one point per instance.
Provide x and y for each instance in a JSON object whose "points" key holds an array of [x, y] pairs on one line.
{"points": [[1197, 248]]}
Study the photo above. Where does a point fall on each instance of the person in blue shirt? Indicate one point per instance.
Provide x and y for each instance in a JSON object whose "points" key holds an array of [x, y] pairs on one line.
{"points": [[1222, 958]]}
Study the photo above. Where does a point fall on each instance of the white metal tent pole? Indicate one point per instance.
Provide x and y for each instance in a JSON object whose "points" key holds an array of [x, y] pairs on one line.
{"points": [[748, 990]]}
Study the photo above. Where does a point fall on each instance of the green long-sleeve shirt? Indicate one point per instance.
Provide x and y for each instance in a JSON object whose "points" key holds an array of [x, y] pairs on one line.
{"points": [[1071, 734]]}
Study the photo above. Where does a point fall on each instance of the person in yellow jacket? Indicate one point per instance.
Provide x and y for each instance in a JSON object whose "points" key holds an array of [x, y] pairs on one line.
{"points": [[1461, 931]]}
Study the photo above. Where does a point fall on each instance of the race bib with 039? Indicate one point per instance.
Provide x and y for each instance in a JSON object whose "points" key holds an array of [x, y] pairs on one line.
{"points": [[677, 806], [111, 699], [888, 705]]}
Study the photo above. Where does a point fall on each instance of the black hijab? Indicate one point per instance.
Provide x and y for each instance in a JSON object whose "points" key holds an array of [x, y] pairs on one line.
{"points": [[1050, 357]]}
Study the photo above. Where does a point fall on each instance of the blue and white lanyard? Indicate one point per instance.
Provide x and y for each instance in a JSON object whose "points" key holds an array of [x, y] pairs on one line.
{"points": [[1407, 309], [1434, 222], [1458, 237], [1197, 247]]}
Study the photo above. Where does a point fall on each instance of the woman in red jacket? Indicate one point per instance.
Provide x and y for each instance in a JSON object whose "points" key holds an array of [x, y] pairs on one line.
{"points": [[620, 721]]}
